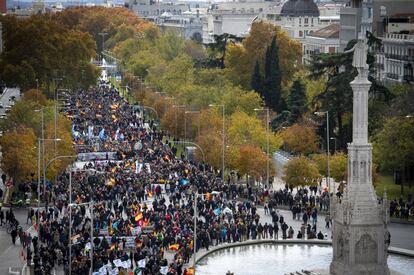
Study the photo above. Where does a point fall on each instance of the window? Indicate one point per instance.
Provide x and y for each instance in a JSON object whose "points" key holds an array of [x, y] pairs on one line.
{"points": [[331, 50], [300, 33], [300, 21], [306, 21]]}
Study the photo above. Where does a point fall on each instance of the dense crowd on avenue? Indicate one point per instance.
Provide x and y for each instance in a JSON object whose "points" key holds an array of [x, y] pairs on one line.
{"points": [[136, 200]]}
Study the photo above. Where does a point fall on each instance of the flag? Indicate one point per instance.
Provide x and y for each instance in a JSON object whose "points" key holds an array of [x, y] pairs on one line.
{"points": [[217, 211], [164, 270], [142, 263], [115, 225], [138, 167], [183, 181], [90, 131], [102, 135], [138, 216], [174, 247]]}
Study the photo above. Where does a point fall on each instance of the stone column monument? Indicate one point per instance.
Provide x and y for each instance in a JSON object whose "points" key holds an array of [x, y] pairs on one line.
{"points": [[360, 236]]}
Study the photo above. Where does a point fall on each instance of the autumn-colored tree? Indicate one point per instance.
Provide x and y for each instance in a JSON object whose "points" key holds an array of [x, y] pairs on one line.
{"points": [[338, 164], [252, 161], [39, 49], [301, 139], [173, 120], [35, 96], [19, 154], [245, 129], [301, 171], [211, 146], [63, 147], [241, 58]]}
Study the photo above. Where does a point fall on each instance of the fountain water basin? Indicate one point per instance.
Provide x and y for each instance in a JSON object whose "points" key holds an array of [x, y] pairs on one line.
{"points": [[275, 259]]}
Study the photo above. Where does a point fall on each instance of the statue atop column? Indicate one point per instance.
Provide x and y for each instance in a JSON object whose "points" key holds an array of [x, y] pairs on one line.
{"points": [[359, 60]]}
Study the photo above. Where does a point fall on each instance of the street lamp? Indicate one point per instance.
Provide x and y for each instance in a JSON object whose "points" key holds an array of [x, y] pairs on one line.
{"points": [[38, 173], [176, 119], [224, 119], [267, 145], [199, 147], [185, 123], [327, 146], [152, 109]]}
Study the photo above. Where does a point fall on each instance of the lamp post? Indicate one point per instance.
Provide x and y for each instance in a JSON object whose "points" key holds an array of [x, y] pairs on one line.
{"points": [[223, 149], [267, 143], [328, 178], [199, 147], [176, 119], [185, 123], [39, 141], [152, 109]]}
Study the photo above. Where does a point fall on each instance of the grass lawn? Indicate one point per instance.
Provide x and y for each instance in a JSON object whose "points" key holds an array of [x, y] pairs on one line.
{"points": [[393, 191]]}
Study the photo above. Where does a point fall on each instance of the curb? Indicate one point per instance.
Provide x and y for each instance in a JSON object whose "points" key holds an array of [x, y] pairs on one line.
{"points": [[391, 250]]}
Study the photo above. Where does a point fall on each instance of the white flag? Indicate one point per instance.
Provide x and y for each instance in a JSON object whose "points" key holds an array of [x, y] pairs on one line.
{"points": [[142, 263]]}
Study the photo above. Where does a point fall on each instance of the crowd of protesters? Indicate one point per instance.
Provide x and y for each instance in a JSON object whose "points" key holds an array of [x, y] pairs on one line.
{"points": [[401, 209], [138, 199]]}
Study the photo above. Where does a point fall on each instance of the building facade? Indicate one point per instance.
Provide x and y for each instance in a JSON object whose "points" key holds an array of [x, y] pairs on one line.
{"points": [[231, 17], [300, 18], [395, 60], [188, 25], [377, 15], [152, 9], [325, 40]]}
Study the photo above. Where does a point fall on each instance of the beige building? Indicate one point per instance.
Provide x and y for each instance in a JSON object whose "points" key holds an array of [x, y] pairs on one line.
{"points": [[325, 40], [232, 17]]}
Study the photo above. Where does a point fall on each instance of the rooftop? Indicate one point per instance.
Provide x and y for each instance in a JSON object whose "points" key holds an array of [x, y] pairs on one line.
{"points": [[331, 31]]}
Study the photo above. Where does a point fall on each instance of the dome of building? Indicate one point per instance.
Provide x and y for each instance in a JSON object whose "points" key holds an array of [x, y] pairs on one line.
{"points": [[298, 8], [288, 8]]}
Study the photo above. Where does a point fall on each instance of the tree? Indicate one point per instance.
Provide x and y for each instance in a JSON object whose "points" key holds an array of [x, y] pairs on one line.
{"points": [[39, 49], [252, 161], [297, 101], [236, 99], [394, 144], [244, 129], [301, 139], [273, 78], [35, 96], [338, 164], [302, 172], [257, 80], [219, 46], [19, 153], [64, 146], [241, 58]]}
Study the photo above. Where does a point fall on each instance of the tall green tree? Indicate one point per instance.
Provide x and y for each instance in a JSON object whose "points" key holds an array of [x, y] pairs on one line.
{"points": [[257, 79], [297, 101], [273, 77]]}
